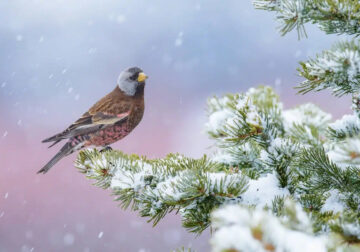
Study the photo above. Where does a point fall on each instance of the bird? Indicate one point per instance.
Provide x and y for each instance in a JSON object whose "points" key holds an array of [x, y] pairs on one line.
{"points": [[110, 119]]}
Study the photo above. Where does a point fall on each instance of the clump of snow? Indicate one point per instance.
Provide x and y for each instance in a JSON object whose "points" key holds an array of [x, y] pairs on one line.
{"points": [[167, 188], [346, 153], [262, 191], [306, 114], [224, 158], [345, 123], [218, 119], [224, 112], [242, 229], [278, 148], [125, 179], [333, 202], [351, 229]]}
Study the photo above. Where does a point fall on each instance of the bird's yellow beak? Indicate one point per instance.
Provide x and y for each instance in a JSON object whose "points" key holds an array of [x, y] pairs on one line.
{"points": [[142, 77]]}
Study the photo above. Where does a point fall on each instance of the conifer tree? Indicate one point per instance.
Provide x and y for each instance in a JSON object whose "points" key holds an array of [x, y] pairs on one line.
{"points": [[280, 180]]}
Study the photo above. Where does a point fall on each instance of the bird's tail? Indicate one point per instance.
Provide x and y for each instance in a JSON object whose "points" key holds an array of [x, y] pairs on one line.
{"points": [[64, 151]]}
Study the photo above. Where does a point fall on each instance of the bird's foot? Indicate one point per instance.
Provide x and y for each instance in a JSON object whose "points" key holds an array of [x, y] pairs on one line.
{"points": [[106, 148]]}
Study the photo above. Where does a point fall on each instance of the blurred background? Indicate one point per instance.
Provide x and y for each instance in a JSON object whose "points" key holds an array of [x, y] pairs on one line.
{"points": [[58, 57]]}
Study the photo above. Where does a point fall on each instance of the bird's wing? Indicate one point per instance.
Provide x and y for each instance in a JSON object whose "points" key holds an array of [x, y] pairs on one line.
{"points": [[89, 123], [110, 109]]}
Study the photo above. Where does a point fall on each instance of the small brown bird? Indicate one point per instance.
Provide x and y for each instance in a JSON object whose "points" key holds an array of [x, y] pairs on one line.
{"points": [[112, 118]]}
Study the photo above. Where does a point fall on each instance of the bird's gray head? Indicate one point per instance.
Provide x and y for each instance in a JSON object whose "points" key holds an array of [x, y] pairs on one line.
{"points": [[131, 79]]}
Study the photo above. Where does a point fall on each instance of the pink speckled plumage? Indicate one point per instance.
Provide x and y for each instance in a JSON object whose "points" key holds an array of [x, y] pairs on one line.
{"points": [[108, 135]]}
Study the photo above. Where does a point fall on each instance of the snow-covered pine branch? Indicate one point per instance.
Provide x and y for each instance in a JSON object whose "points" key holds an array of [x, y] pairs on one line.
{"points": [[265, 156], [156, 187], [332, 16], [337, 69]]}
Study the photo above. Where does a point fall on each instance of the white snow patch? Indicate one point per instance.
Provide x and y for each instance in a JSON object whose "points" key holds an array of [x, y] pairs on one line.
{"points": [[345, 122], [218, 119], [234, 227], [262, 191], [308, 114], [224, 158], [352, 229], [333, 203]]}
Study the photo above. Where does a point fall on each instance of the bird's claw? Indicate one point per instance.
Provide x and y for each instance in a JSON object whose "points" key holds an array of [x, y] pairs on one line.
{"points": [[106, 148]]}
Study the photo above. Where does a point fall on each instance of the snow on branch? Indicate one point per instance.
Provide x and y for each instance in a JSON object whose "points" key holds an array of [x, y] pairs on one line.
{"points": [[337, 69], [332, 16], [157, 187], [261, 231]]}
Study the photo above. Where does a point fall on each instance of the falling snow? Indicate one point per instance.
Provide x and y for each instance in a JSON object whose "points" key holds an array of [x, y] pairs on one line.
{"points": [[179, 39], [69, 239], [120, 19]]}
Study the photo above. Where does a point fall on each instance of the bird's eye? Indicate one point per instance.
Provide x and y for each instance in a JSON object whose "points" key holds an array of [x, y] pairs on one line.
{"points": [[134, 77]]}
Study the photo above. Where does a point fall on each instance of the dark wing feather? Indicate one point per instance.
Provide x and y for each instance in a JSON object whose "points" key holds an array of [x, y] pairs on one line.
{"points": [[85, 119], [87, 124]]}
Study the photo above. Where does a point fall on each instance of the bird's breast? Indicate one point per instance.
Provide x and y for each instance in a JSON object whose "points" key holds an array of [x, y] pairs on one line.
{"points": [[108, 135]]}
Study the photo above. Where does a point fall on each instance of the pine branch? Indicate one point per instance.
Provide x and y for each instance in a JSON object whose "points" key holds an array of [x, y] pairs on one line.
{"points": [[326, 175], [157, 187], [337, 69], [332, 16]]}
